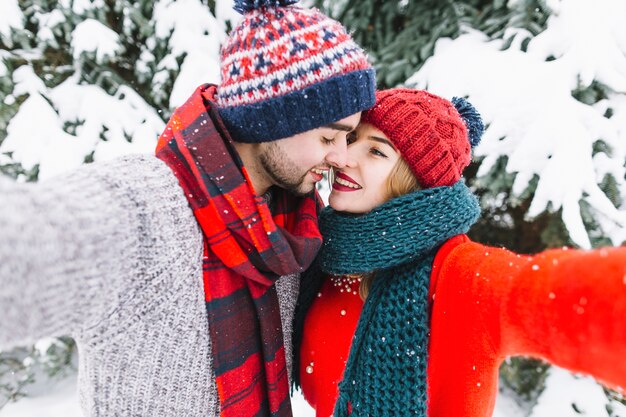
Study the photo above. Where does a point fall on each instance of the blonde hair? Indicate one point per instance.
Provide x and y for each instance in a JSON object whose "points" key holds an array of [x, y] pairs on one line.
{"points": [[401, 181]]}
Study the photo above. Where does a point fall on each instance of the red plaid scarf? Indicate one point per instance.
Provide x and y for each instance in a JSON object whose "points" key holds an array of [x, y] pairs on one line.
{"points": [[245, 250]]}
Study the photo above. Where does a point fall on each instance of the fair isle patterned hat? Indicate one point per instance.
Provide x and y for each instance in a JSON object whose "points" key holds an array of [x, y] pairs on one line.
{"points": [[286, 70]]}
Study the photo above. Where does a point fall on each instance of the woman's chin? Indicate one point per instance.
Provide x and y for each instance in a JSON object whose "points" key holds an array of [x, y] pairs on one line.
{"points": [[344, 206], [338, 203]]}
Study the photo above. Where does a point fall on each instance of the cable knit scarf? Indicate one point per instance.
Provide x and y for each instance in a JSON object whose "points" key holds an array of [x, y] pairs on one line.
{"points": [[385, 375], [245, 251]]}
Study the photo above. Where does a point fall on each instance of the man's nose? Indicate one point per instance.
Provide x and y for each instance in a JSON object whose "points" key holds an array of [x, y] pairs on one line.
{"points": [[338, 155]]}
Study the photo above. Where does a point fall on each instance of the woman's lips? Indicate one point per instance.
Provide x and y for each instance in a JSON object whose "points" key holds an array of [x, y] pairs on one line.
{"points": [[344, 183]]}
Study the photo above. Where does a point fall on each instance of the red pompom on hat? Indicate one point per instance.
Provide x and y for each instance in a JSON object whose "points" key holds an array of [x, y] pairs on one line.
{"points": [[433, 135]]}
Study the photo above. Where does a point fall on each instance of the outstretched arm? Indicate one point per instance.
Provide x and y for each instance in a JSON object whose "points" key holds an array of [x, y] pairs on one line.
{"points": [[73, 249], [567, 307]]}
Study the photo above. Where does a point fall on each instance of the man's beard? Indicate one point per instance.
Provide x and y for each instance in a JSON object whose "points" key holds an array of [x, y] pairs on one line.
{"points": [[283, 171]]}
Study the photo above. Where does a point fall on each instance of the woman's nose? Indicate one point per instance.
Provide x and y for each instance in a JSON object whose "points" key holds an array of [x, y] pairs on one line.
{"points": [[352, 156]]}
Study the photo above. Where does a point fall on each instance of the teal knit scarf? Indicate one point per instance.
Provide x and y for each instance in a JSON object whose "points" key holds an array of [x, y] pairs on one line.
{"points": [[385, 375]]}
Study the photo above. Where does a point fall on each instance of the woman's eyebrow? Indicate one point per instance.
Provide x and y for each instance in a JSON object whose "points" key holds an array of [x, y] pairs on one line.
{"points": [[382, 140]]}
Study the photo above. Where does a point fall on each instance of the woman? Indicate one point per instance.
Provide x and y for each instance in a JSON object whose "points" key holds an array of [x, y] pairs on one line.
{"points": [[441, 312]]}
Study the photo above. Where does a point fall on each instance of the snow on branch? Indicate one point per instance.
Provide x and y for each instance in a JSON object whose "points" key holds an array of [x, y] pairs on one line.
{"points": [[92, 36], [57, 128], [195, 33], [534, 120], [11, 17], [589, 39]]}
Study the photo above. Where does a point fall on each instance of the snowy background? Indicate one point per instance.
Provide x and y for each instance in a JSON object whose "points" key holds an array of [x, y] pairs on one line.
{"points": [[83, 81]]}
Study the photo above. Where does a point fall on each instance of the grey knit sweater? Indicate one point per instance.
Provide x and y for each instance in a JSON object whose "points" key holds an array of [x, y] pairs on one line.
{"points": [[111, 254]]}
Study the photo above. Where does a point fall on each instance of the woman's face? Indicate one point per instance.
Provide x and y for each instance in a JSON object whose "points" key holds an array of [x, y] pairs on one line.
{"points": [[362, 184]]}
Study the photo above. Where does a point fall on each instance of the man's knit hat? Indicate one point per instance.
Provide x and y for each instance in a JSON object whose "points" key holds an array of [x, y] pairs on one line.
{"points": [[286, 70], [433, 135]]}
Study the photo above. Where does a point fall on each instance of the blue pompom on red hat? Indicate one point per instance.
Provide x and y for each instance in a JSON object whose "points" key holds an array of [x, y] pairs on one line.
{"points": [[473, 120], [286, 70]]}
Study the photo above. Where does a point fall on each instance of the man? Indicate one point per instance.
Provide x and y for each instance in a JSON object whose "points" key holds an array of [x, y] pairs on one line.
{"points": [[180, 289]]}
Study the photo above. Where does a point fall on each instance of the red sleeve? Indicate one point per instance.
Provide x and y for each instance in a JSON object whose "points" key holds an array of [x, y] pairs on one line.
{"points": [[329, 327], [567, 307]]}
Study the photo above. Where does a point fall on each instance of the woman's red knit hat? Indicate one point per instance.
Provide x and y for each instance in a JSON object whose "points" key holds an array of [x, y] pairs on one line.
{"points": [[434, 136]]}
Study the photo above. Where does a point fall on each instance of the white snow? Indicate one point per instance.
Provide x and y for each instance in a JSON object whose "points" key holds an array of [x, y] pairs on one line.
{"points": [[42, 345], [224, 12], [27, 82], [576, 28], [47, 23], [197, 33], [124, 114], [300, 407], [11, 17], [36, 135], [35, 132], [80, 7], [564, 390], [92, 36], [57, 398]]}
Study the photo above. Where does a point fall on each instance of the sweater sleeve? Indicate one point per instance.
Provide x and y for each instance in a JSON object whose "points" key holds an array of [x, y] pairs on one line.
{"points": [[567, 307], [72, 248]]}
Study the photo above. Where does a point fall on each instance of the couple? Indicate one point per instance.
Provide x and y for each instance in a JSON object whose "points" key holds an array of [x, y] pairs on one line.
{"points": [[178, 275]]}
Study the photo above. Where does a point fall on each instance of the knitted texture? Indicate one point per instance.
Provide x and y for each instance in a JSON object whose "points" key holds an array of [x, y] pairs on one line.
{"points": [[286, 70], [246, 249], [401, 229], [429, 132], [386, 370], [111, 254]]}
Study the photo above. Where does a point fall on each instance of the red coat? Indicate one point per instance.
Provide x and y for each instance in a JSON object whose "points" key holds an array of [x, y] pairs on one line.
{"points": [[567, 307]]}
